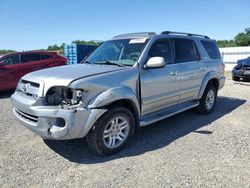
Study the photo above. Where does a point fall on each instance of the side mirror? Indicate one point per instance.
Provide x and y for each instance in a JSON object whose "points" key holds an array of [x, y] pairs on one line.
{"points": [[155, 62]]}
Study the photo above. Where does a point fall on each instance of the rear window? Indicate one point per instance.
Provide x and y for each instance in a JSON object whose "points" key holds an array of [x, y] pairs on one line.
{"points": [[185, 50], [25, 58], [45, 56], [211, 49]]}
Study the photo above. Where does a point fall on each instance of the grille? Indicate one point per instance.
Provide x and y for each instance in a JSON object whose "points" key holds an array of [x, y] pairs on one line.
{"points": [[29, 88], [246, 67], [33, 84], [27, 117]]}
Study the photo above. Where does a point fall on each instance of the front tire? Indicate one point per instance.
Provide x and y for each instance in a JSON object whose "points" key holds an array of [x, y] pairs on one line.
{"points": [[208, 100], [112, 131]]}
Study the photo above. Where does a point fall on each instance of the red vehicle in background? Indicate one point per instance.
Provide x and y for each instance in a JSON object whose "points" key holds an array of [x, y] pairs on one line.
{"points": [[13, 66]]}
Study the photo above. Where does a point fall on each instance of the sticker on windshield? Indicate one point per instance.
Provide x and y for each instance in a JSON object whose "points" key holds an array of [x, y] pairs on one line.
{"points": [[140, 40]]}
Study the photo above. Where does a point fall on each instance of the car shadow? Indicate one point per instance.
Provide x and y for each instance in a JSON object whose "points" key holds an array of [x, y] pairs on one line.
{"points": [[152, 137], [6, 94]]}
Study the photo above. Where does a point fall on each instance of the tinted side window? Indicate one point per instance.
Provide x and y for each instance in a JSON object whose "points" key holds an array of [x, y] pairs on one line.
{"points": [[11, 60], [30, 57], [45, 56], [162, 48], [185, 50], [211, 49]]}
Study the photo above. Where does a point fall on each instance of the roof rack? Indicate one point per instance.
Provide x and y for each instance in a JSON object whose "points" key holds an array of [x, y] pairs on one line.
{"points": [[136, 35], [180, 33]]}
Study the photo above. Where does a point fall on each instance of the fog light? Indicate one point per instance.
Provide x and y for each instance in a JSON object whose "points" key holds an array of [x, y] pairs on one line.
{"points": [[59, 122], [57, 128]]}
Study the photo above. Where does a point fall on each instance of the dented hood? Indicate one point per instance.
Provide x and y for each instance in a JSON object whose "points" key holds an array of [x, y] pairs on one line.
{"points": [[64, 75], [245, 62]]}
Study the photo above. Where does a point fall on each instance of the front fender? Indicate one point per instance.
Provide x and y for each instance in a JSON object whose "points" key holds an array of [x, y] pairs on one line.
{"points": [[206, 79], [114, 94]]}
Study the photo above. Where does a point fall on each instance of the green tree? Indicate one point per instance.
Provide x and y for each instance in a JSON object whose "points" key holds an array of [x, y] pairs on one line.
{"points": [[2, 52], [226, 43], [86, 42], [53, 47], [62, 46], [243, 38]]}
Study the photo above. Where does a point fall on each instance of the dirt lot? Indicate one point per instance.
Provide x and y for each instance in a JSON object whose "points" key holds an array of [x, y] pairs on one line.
{"points": [[182, 151]]}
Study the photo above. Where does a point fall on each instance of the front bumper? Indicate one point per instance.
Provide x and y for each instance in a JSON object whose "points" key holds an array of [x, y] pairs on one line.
{"points": [[240, 74], [42, 120]]}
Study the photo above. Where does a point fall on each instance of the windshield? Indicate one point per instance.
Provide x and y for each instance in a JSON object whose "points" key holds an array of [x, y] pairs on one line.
{"points": [[121, 52]]}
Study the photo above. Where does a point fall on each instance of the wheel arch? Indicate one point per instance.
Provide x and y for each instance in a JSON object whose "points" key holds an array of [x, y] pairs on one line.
{"points": [[121, 96], [130, 106], [211, 77]]}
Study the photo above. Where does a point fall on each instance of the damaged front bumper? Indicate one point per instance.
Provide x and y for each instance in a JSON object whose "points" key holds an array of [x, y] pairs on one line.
{"points": [[53, 122], [241, 74]]}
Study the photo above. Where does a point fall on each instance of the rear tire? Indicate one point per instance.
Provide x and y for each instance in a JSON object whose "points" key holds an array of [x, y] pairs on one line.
{"points": [[235, 78], [112, 131], [208, 100]]}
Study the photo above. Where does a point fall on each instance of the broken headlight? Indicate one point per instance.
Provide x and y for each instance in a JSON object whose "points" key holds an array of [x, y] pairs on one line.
{"points": [[60, 95]]}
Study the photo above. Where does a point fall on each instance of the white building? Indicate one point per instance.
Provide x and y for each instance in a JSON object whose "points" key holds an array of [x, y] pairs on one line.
{"points": [[230, 55]]}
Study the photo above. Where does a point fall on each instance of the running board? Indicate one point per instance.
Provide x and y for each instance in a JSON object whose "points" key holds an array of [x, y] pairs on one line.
{"points": [[152, 118]]}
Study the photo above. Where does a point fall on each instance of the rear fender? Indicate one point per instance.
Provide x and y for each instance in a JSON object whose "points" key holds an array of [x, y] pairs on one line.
{"points": [[209, 76]]}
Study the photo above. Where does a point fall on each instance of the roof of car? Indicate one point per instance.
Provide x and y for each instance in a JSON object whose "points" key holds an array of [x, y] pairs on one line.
{"points": [[29, 52], [150, 34], [134, 35]]}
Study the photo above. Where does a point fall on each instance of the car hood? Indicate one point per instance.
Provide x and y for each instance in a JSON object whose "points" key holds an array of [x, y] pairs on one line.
{"points": [[244, 62], [64, 75]]}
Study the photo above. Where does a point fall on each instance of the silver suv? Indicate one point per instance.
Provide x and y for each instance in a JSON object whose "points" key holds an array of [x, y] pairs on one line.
{"points": [[128, 82]]}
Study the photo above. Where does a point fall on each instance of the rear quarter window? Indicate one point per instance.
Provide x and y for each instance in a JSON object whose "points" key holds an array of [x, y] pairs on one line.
{"points": [[211, 49]]}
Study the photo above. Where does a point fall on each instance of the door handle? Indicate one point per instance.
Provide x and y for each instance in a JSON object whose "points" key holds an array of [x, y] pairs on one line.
{"points": [[174, 73], [203, 68]]}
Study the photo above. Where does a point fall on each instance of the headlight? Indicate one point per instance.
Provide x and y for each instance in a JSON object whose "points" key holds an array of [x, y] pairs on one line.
{"points": [[60, 95], [56, 95], [237, 67], [78, 95]]}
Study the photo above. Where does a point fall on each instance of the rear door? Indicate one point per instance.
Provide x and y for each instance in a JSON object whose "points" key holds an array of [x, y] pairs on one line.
{"points": [[10, 72], [160, 87], [30, 62], [192, 68], [51, 60], [48, 60]]}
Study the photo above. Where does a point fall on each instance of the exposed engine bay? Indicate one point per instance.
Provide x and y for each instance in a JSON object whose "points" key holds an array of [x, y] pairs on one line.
{"points": [[64, 96]]}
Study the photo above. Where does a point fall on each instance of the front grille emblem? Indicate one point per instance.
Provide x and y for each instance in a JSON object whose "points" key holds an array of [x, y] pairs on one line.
{"points": [[24, 87]]}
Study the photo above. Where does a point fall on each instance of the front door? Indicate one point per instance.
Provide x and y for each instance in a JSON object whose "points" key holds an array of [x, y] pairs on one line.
{"points": [[30, 62], [10, 72], [160, 87]]}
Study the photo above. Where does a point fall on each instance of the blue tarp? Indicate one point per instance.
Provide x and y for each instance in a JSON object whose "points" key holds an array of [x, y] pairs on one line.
{"points": [[75, 53]]}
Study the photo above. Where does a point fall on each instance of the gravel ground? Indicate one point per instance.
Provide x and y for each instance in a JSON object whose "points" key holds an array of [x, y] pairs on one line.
{"points": [[187, 150]]}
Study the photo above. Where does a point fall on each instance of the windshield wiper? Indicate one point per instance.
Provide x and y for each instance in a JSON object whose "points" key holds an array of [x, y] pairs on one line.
{"points": [[88, 62], [113, 63]]}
